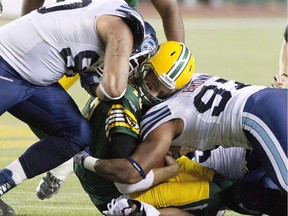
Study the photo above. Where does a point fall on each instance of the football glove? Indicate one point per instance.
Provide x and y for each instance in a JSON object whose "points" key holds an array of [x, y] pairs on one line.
{"points": [[280, 81], [80, 157], [89, 81]]}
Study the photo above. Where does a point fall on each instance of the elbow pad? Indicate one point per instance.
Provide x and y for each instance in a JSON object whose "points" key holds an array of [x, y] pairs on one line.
{"points": [[139, 186]]}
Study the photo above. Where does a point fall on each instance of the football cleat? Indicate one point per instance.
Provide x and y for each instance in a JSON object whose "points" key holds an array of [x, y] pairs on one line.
{"points": [[125, 206], [6, 181], [48, 186], [6, 210], [221, 213]]}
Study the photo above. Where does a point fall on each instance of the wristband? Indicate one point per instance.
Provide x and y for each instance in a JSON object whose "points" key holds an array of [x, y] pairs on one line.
{"points": [[89, 163], [107, 95], [137, 167]]}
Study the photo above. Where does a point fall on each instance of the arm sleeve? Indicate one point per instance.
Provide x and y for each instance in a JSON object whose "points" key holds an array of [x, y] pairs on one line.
{"points": [[122, 145]]}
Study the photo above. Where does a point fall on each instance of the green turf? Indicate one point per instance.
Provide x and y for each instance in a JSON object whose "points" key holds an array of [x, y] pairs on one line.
{"points": [[241, 49]]}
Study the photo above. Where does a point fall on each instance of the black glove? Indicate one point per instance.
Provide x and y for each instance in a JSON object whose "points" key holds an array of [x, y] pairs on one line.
{"points": [[89, 81]]}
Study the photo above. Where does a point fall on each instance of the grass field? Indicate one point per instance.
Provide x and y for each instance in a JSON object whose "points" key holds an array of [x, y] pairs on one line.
{"points": [[241, 49]]}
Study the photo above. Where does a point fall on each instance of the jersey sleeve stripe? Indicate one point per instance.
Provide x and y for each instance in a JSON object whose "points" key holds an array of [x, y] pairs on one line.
{"points": [[150, 119], [119, 116]]}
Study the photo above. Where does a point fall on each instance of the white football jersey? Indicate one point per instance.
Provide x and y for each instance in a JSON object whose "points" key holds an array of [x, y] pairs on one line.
{"points": [[211, 109], [62, 38], [229, 162]]}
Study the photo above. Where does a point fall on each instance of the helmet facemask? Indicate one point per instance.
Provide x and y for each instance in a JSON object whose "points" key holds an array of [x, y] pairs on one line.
{"points": [[141, 84]]}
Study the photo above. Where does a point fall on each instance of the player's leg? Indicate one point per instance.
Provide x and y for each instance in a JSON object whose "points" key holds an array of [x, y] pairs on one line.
{"points": [[253, 199], [265, 126], [13, 91], [52, 110], [13, 87]]}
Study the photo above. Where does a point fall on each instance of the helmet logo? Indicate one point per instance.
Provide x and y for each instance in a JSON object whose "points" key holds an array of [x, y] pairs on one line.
{"points": [[148, 44]]}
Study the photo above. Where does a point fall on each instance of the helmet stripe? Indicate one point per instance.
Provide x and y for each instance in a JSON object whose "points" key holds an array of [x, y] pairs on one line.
{"points": [[182, 61]]}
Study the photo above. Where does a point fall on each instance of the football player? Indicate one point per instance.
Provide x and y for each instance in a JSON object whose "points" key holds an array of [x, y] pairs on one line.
{"points": [[108, 143], [206, 190], [209, 112], [54, 179], [54, 43], [167, 9]]}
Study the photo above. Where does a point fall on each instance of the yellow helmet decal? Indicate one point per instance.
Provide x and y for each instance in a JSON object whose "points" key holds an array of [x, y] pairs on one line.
{"points": [[180, 64]]}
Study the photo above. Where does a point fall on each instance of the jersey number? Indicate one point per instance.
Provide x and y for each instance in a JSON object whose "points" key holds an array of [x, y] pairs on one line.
{"points": [[64, 6], [90, 56], [224, 94], [74, 64]]}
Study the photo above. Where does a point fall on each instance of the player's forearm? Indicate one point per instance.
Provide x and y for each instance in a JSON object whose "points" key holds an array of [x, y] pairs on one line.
{"points": [[283, 62], [171, 18], [174, 28], [115, 170], [162, 174]]}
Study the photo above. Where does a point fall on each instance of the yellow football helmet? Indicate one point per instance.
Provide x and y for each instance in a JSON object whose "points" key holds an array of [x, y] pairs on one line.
{"points": [[173, 65]]}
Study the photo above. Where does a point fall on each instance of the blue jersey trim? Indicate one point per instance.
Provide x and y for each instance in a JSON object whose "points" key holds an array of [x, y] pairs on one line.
{"points": [[269, 143], [150, 119]]}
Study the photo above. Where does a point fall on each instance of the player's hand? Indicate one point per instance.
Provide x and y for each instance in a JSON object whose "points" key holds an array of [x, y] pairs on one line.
{"points": [[80, 157], [172, 164], [89, 81], [280, 81]]}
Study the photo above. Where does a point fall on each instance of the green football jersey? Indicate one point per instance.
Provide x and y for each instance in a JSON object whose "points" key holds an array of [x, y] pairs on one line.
{"points": [[122, 116]]}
